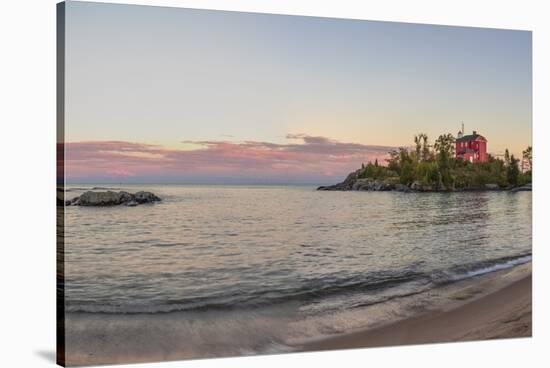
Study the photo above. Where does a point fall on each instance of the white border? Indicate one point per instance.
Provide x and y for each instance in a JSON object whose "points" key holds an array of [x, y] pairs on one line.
{"points": [[27, 151]]}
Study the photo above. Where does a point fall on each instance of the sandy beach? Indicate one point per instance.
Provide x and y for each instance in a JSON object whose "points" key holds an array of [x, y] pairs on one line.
{"points": [[489, 306], [491, 314]]}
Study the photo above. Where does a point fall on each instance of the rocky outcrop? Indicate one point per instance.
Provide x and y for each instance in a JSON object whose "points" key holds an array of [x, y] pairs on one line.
{"points": [[402, 188], [417, 186], [372, 185], [345, 185], [492, 187], [353, 182], [110, 198]]}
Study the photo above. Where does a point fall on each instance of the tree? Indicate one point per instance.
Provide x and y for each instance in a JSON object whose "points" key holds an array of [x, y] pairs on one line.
{"points": [[404, 155], [528, 158], [507, 157], [406, 176], [393, 161], [512, 173], [427, 173], [444, 164], [445, 143], [418, 144], [425, 148], [422, 148], [445, 148]]}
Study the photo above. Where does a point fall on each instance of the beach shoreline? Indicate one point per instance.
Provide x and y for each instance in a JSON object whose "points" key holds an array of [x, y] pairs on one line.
{"points": [[501, 312], [489, 306]]}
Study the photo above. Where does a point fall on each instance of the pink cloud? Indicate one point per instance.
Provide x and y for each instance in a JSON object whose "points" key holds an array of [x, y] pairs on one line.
{"points": [[304, 157], [120, 173]]}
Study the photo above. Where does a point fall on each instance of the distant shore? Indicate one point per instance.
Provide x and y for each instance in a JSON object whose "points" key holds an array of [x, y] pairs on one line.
{"points": [[501, 313]]}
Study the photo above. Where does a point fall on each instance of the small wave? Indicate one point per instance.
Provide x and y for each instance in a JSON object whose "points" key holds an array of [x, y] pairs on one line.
{"points": [[306, 292], [379, 285], [166, 245], [496, 267], [477, 269], [144, 241]]}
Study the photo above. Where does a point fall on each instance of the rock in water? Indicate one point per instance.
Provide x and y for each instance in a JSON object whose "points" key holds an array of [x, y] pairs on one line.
{"points": [[492, 187], [353, 182], [402, 188], [145, 197], [110, 198], [345, 185]]}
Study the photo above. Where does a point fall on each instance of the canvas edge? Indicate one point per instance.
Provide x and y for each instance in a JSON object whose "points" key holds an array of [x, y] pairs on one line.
{"points": [[60, 184]]}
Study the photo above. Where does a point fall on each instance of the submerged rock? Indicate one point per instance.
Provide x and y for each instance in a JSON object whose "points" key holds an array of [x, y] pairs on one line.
{"points": [[110, 198]]}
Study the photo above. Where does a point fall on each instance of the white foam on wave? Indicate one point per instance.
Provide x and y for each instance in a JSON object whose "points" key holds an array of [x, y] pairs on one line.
{"points": [[496, 267]]}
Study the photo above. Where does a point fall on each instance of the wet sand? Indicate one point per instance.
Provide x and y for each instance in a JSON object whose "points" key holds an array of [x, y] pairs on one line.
{"points": [[504, 313]]}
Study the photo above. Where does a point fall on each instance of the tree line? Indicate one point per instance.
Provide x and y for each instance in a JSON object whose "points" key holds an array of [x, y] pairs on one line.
{"points": [[436, 166]]}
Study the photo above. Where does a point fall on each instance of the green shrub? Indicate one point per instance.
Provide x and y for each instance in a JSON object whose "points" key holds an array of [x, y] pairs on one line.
{"points": [[427, 173], [407, 173]]}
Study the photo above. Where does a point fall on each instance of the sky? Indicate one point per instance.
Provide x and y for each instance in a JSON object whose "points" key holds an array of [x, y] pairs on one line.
{"points": [[170, 95]]}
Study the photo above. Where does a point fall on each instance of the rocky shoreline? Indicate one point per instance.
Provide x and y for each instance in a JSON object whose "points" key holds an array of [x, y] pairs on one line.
{"points": [[110, 198], [354, 183]]}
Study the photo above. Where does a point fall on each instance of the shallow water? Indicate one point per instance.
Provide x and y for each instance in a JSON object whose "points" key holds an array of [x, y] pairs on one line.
{"points": [[228, 254]]}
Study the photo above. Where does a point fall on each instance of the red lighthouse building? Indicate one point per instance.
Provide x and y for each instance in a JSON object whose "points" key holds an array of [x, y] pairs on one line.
{"points": [[472, 147]]}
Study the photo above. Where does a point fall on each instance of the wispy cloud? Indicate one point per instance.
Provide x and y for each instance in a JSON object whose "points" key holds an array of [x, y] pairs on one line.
{"points": [[304, 158]]}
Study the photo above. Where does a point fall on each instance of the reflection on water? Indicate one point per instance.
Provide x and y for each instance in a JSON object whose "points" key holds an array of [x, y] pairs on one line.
{"points": [[208, 247]]}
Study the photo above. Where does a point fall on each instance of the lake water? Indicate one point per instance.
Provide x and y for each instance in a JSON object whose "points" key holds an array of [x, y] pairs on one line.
{"points": [[256, 250]]}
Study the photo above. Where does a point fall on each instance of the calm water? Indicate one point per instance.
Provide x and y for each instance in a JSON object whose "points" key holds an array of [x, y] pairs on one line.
{"points": [[208, 248]]}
